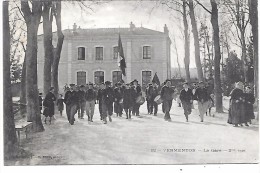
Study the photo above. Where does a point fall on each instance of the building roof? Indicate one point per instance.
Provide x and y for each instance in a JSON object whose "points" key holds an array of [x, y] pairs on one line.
{"points": [[110, 31]]}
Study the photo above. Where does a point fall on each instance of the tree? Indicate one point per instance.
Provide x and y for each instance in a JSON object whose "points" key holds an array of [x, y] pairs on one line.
{"points": [[240, 19], [217, 80], [187, 41], [32, 18], [9, 126], [48, 47], [233, 70], [57, 50], [253, 15], [196, 40]]}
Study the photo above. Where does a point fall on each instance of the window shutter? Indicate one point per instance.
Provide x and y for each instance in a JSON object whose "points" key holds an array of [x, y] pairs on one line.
{"points": [[152, 53], [141, 52], [94, 54]]}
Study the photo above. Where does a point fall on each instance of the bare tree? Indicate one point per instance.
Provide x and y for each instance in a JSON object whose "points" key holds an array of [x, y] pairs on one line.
{"points": [[217, 57], [32, 18], [57, 50], [9, 126], [196, 40], [253, 15], [239, 17], [48, 47]]}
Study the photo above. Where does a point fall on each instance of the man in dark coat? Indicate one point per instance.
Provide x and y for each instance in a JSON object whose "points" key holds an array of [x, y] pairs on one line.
{"points": [[71, 100], [107, 102], [91, 97], [167, 97], [138, 92], [155, 92], [48, 103], [186, 98], [118, 96], [201, 94], [148, 93], [128, 100], [82, 102], [99, 98]]}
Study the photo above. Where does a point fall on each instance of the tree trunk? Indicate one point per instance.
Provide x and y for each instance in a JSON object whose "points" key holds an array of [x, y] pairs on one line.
{"points": [[9, 126], [23, 89], [253, 15], [217, 81], [48, 47], [196, 41], [57, 52], [32, 19], [187, 43], [244, 56]]}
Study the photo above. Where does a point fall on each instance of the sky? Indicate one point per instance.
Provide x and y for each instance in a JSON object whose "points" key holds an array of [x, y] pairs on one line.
{"points": [[116, 14]]}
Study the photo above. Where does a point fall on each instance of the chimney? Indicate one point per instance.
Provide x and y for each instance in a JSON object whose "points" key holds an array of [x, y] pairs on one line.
{"points": [[166, 31], [74, 27], [132, 26]]}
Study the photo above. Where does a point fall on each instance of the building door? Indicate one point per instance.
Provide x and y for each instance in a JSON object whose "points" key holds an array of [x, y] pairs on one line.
{"points": [[116, 77], [146, 77], [81, 78], [99, 77]]}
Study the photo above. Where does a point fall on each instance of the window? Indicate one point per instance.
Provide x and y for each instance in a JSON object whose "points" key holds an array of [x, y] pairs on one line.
{"points": [[146, 77], [147, 52], [115, 52], [81, 78], [116, 77], [99, 77], [81, 53], [99, 53]]}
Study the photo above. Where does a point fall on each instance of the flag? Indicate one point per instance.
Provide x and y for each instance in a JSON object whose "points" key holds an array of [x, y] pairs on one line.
{"points": [[121, 57], [156, 79]]}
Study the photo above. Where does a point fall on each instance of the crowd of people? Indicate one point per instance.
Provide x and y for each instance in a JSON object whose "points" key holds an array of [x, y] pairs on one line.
{"points": [[127, 98]]}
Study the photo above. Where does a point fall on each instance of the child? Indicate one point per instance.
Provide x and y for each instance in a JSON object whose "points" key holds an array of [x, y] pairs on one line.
{"points": [[60, 105]]}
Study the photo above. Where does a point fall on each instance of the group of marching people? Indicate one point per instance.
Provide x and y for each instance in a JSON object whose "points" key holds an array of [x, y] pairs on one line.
{"points": [[128, 98], [241, 109], [83, 99]]}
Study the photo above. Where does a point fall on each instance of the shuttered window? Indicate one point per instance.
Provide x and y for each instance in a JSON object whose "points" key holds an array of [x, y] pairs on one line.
{"points": [[147, 52], [116, 77], [146, 77], [81, 53], [99, 77], [81, 78]]}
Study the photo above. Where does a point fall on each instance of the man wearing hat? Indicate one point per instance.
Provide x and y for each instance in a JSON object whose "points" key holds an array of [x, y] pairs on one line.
{"points": [[99, 98], [107, 102], [71, 101], [48, 103], [82, 101], [203, 98], [138, 92], [91, 97], [128, 100], [148, 93], [167, 97], [186, 98], [118, 96]]}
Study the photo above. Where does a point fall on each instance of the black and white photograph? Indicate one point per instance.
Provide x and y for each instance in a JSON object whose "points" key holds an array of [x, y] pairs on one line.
{"points": [[135, 82]]}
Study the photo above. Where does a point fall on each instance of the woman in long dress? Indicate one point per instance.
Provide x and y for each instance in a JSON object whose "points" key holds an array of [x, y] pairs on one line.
{"points": [[237, 106], [249, 109]]}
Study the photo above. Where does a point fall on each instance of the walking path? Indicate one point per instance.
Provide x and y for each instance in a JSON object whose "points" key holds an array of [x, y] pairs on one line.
{"points": [[143, 140]]}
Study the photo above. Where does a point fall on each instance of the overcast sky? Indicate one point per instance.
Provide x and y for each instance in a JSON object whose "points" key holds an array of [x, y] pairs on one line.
{"points": [[120, 13]]}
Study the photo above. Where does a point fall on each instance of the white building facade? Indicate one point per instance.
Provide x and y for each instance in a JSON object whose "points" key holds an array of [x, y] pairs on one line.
{"points": [[90, 55]]}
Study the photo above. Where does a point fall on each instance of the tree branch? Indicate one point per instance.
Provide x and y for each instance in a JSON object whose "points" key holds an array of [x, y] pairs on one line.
{"points": [[203, 7]]}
